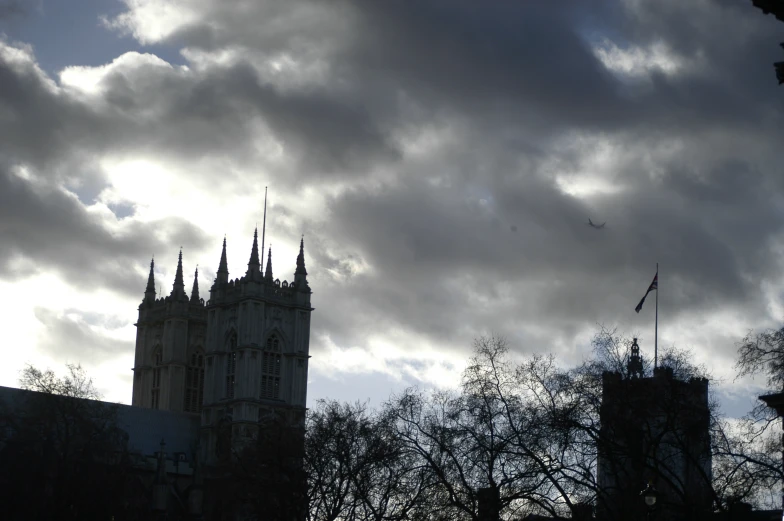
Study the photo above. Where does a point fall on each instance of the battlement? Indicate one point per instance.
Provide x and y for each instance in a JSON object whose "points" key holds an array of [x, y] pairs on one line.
{"points": [[663, 375], [662, 395], [167, 307], [614, 383], [262, 288]]}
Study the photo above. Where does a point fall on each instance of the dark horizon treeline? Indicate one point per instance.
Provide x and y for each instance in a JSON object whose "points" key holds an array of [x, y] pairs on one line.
{"points": [[531, 430], [525, 428]]}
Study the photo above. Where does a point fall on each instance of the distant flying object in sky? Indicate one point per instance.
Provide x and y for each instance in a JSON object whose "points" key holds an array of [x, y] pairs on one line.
{"points": [[597, 226]]}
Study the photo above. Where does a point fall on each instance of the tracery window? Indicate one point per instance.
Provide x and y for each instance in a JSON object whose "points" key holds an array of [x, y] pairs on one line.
{"points": [[231, 365], [194, 383], [270, 369], [156, 379]]}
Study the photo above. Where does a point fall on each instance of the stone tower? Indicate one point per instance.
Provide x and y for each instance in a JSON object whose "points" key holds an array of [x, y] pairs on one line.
{"points": [[168, 370], [654, 429], [256, 351]]}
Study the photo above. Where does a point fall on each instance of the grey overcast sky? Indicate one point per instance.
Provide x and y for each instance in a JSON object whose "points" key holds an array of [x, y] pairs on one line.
{"points": [[442, 159]]}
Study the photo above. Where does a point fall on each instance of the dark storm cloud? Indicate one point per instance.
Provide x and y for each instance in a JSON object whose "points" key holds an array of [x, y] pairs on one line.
{"points": [[519, 71], [516, 60], [442, 266], [148, 107], [326, 133], [215, 116], [441, 261], [470, 112], [523, 65], [33, 118], [45, 228], [527, 66]]}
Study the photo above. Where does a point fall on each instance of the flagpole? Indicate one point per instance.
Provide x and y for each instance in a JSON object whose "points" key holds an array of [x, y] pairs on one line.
{"points": [[264, 227], [656, 324]]}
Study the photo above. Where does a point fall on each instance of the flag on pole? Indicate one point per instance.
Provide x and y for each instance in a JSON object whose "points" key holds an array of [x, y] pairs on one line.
{"points": [[654, 286]]}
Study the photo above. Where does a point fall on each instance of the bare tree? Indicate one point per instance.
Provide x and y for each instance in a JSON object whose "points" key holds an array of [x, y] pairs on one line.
{"points": [[536, 431], [358, 467], [756, 447], [331, 459], [490, 434], [763, 353], [76, 384], [390, 482], [534, 434]]}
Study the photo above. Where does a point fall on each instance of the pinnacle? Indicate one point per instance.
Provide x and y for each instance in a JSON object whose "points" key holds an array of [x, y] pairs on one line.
{"points": [[195, 291], [253, 263], [223, 267], [178, 289], [149, 293], [268, 272], [301, 258]]}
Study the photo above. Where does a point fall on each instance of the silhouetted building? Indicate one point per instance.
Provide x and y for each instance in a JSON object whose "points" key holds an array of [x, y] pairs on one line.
{"points": [[238, 360], [61, 455], [654, 430], [214, 383]]}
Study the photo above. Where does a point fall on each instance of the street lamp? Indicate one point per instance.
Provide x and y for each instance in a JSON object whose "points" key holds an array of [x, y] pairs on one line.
{"points": [[650, 495]]}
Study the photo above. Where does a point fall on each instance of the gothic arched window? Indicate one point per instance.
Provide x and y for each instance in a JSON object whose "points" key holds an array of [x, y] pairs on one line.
{"points": [[194, 382], [156, 378], [270, 369], [231, 365]]}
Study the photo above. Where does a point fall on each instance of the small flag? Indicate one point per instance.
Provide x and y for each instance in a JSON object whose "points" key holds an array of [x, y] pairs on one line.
{"points": [[654, 286]]}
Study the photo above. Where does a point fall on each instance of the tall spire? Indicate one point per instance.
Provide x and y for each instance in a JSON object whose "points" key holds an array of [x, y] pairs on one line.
{"points": [[268, 272], [149, 293], [301, 258], [301, 274], [195, 291], [223, 267], [253, 264], [178, 289]]}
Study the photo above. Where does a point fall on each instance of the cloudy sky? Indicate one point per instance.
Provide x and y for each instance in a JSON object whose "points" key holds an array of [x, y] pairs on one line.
{"points": [[442, 159]]}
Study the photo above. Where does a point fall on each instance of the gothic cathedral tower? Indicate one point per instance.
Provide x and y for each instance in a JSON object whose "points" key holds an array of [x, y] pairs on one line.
{"points": [[257, 344], [235, 359], [168, 371]]}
